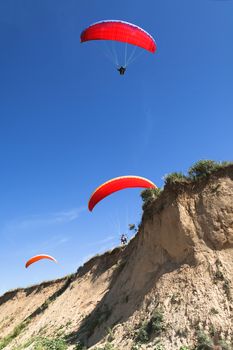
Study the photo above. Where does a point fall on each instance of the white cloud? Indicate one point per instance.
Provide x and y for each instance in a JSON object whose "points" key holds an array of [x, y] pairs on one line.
{"points": [[37, 221], [105, 240], [53, 242]]}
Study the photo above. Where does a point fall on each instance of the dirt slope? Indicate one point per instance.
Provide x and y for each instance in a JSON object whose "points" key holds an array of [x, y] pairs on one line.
{"points": [[168, 287]]}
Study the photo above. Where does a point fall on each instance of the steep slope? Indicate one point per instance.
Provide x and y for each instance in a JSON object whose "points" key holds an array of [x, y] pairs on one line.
{"points": [[170, 286]]}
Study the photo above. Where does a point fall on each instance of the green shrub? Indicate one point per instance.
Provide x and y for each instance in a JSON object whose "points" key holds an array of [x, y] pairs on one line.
{"points": [[25, 345], [219, 276], [107, 346], [17, 330], [80, 346], [226, 288], [136, 347], [143, 336], [203, 342], [212, 331], [159, 347], [50, 344], [203, 168], [224, 345], [150, 194], [200, 169], [153, 326], [132, 227], [110, 336], [182, 333], [174, 178], [175, 299], [213, 311]]}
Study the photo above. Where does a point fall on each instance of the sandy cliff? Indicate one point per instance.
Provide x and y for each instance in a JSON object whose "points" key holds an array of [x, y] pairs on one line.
{"points": [[168, 288]]}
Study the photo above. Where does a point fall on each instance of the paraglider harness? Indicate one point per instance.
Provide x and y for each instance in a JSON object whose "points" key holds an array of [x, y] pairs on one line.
{"points": [[124, 239], [121, 70]]}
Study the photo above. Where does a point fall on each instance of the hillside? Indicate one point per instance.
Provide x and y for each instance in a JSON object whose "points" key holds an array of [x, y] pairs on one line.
{"points": [[169, 288]]}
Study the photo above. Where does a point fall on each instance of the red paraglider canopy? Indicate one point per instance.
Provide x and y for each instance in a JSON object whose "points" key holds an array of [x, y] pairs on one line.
{"points": [[116, 184], [119, 31]]}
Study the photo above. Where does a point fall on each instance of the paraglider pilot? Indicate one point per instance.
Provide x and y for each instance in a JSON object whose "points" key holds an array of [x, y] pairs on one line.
{"points": [[123, 239], [121, 70]]}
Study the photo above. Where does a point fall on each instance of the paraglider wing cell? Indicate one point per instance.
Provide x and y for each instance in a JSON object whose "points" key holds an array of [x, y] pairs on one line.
{"points": [[116, 184], [119, 31], [37, 258]]}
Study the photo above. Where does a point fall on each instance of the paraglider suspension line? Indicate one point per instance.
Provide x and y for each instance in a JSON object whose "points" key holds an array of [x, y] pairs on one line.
{"points": [[131, 56], [126, 46], [115, 54], [134, 57]]}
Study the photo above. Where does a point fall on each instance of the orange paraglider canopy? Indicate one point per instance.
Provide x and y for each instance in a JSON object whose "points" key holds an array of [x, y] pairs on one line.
{"points": [[117, 184], [39, 257]]}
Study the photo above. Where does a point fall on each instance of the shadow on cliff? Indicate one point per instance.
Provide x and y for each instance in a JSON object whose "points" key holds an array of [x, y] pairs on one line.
{"points": [[105, 311]]}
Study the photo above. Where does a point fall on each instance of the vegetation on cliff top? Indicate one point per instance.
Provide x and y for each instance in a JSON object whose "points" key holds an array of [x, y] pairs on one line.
{"points": [[198, 171]]}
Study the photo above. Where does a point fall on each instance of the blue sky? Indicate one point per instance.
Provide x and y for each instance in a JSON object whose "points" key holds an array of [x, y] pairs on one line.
{"points": [[69, 121]]}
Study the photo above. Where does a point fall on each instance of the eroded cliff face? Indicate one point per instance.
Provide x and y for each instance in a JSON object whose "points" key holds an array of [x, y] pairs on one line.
{"points": [[179, 265]]}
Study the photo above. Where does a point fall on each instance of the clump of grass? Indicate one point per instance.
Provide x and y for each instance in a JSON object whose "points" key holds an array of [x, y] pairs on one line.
{"points": [[218, 262], [132, 227], [159, 347], [25, 345], [80, 346], [182, 333], [136, 347], [143, 336], [213, 311], [224, 345], [8, 339], [174, 178], [213, 332], [110, 336], [68, 323], [153, 326], [203, 342], [203, 168], [226, 288], [107, 346], [199, 170], [50, 344], [206, 342], [219, 276], [175, 299]]}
